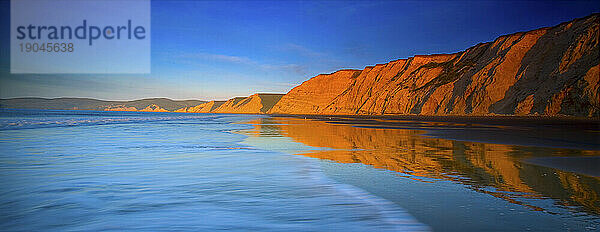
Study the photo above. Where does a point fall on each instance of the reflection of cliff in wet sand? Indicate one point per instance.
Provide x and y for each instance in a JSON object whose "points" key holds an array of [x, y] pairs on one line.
{"points": [[477, 165]]}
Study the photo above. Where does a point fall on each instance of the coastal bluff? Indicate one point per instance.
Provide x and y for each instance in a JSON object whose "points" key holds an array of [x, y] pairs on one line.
{"points": [[550, 71], [258, 103]]}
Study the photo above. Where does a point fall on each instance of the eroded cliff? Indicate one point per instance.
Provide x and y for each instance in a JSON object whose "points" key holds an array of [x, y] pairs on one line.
{"points": [[202, 108], [256, 104], [548, 71]]}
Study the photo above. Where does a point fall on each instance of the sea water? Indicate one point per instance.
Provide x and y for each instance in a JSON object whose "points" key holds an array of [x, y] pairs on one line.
{"points": [[90, 171], [451, 182]]}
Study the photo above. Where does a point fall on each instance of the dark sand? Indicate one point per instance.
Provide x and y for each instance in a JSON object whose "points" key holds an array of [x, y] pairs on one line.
{"points": [[569, 133], [589, 165], [566, 133]]}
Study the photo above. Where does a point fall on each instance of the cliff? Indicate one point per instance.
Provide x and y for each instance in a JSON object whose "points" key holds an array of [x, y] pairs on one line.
{"points": [[257, 103], [202, 108], [549, 71], [150, 104], [154, 108]]}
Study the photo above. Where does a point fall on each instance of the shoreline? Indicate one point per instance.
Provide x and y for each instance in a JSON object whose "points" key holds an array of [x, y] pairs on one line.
{"points": [[545, 132], [408, 117], [498, 119], [532, 131]]}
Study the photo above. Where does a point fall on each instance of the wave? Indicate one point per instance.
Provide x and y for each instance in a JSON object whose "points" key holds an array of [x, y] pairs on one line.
{"points": [[31, 119], [394, 217]]}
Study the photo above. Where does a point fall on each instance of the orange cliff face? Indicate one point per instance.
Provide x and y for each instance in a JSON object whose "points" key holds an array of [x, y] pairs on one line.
{"points": [[154, 108], [149, 108], [120, 108], [256, 104], [202, 108], [549, 71], [311, 96]]}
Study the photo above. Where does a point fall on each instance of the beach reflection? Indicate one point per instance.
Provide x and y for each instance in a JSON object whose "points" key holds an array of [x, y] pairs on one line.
{"points": [[496, 169]]}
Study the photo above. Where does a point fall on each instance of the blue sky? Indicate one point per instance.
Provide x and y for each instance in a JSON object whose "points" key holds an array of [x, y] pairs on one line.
{"points": [[216, 50]]}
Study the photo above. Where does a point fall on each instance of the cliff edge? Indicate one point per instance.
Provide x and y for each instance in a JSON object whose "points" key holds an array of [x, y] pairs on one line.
{"points": [[549, 71]]}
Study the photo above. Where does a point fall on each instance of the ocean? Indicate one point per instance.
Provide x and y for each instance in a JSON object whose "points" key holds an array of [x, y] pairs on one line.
{"points": [[123, 171]]}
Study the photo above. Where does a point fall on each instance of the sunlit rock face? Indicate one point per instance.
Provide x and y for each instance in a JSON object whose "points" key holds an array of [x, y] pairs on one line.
{"points": [[149, 108], [548, 71], [256, 104], [154, 108], [121, 108], [315, 94], [205, 107]]}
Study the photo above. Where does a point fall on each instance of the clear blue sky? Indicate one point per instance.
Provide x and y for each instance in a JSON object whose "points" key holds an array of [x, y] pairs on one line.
{"points": [[216, 50]]}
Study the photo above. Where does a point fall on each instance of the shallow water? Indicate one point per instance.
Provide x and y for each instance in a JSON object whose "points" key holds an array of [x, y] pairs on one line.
{"points": [[85, 170], [454, 185]]}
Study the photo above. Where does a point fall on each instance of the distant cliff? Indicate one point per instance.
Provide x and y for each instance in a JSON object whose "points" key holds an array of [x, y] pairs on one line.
{"points": [[258, 103], [151, 104], [548, 71], [202, 108]]}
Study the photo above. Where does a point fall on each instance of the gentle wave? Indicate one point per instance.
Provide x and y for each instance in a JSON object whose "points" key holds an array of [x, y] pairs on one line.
{"points": [[393, 215], [169, 171], [50, 118]]}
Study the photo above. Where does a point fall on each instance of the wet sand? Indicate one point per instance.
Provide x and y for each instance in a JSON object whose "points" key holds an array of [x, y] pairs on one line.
{"points": [[564, 132], [420, 158], [584, 165]]}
